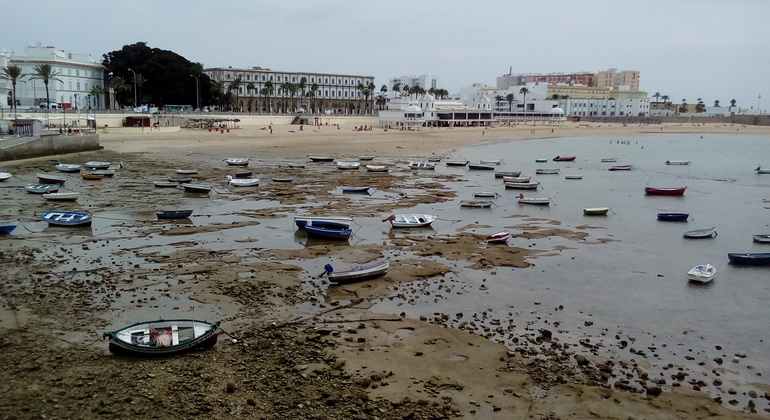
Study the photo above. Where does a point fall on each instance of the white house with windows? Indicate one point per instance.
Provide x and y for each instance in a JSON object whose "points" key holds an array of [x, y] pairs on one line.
{"points": [[611, 107]]}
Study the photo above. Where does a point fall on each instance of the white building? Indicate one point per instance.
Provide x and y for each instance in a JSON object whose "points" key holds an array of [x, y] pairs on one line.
{"points": [[611, 107], [424, 81]]}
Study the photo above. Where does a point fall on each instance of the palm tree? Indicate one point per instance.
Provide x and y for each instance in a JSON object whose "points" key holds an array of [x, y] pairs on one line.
{"points": [[312, 93], [732, 103], [700, 107], [683, 108], [406, 89], [656, 96], [509, 97], [96, 92], [119, 85], [302, 86], [665, 101], [235, 85], [139, 80], [46, 73], [397, 87], [524, 91], [716, 103], [285, 88], [267, 91], [498, 99], [12, 72]]}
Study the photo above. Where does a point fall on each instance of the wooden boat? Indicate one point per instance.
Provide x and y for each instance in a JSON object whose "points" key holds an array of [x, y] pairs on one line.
{"points": [[244, 174], [339, 222], [91, 177], [664, 191], [564, 159], [242, 182], [491, 162], [759, 170], [764, 238], [186, 171], [62, 196], [546, 171], [197, 188], [476, 203], [595, 211], [67, 218], [499, 237], [362, 272], [163, 337], [348, 165], [481, 166], [180, 179], [4, 176], [68, 167], [510, 174], [673, 217], [422, 165], [7, 226], [165, 184], [321, 158], [677, 162], [96, 165], [536, 201], [377, 168], [750, 258], [700, 233], [516, 179], [456, 162], [366, 157], [486, 194], [541, 160], [237, 161], [606, 160], [51, 179], [702, 273], [41, 188], [409, 220], [621, 167], [287, 179], [522, 185], [356, 190], [105, 172], [327, 232], [573, 176], [173, 214]]}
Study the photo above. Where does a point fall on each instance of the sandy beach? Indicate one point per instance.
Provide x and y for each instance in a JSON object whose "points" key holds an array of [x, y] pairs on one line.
{"points": [[287, 354]]}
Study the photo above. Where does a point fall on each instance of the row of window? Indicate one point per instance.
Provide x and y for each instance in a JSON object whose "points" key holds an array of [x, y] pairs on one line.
{"points": [[295, 79], [320, 94]]}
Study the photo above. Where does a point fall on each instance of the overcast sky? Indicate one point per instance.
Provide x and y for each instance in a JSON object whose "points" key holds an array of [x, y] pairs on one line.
{"points": [[686, 49]]}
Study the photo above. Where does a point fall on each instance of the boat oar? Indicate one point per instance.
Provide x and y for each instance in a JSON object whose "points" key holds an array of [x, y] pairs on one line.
{"points": [[612, 211]]}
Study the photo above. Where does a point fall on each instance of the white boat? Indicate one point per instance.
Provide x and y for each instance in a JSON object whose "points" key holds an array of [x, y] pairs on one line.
{"points": [[491, 162], [702, 273], [536, 201], [541, 160], [165, 184], [242, 182], [677, 162], [197, 188], [422, 165], [700, 233], [595, 211], [486, 194], [348, 165], [51, 179], [103, 172], [366, 157], [499, 237], [522, 185], [163, 337], [186, 171], [613, 159], [366, 271], [7, 226], [476, 203], [516, 179], [333, 222], [236, 161], [573, 176], [96, 165], [546, 171], [41, 188], [762, 238], [62, 196], [297, 165], [759, 170], [377, 168], [410, 220], [321, 158], [68, 167], [5, 176]]}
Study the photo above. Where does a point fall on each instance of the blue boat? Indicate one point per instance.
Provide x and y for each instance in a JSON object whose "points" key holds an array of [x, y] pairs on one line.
{"points": [[244, 174], [329, 233], [67, 218], [673, 217], [750, 258], [7, 226], [330, 222], [173, 214]]}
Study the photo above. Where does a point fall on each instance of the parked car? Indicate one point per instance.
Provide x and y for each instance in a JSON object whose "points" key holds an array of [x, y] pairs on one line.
{"points": [[52, 105]]}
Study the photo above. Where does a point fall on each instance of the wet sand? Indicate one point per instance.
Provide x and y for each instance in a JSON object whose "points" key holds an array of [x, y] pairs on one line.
{"points": [[400, 368]]}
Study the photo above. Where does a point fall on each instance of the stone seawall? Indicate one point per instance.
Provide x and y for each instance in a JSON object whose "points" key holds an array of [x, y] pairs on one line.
{"points": [[47, 145]]}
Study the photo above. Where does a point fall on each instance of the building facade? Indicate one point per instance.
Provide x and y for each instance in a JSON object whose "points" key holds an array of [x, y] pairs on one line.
{"points": [[614, 79], [581, 78], [263, 90]]}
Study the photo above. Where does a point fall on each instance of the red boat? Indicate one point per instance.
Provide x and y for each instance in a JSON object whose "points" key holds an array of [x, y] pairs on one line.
{"points": [[664, 191], [499, 237], [564, 159]]}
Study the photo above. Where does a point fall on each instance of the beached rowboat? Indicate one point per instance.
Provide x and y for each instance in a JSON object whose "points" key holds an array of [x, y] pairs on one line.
{"points": [[503, 174], [476, 203], [62, 196], [700, 233], [621, 167], [673, 217], [97, 165], [422, 165], [329, 233], [236, 161], [764, 238], [547, 171], [51, 179], [165, 184], [664, 191], [499, 237], [750, 258], [366, 271], [564, 159], [409, 220], [5, 176], [595, 211], [536, 201], [242, 182], [162, 337], [456, 162], [41, 188], [522, 185], [91, 177], [377, 168], [67, 218], [68, 167], [197, 188], [481, 166], [348, 165], [321, 158], [339, 222], [7, 226], [173, 214]]}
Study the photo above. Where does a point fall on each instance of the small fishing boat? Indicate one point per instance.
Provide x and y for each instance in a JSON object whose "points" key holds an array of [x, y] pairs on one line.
{"points": [[759, 170], [486, 194], [339, 222], [242, 182], [491, 162], [621, 167], [105, 172], [595, 211], [244, 174], [237, 161], [481, 166], [541, 160], [51, 179], [163, 337], [286, 179], [329, 233], [434, 159], [476, 203], [321, 158], [356, 190], [677, 162], [422, 165], [607, 160], [7, 226], [362, 272], [68, 167], [91, 177], [546, 171], [764, 238], [67, 218], [573, 176], [41, 188], [197, 188], [702, 273], [564, 159], [165, 184], [366, 157], [516, 179], [173, 214], [673, 217], [750, 258], [97, 165], [510, 174], [297, 165], [186, 171], [535, 201], [377, 168], [499, 237], [664, 191], [348, 165], [62, 196], [522, 185], [4, 176], [180, 179], [456, 162], [409, 220], [700, 233]]}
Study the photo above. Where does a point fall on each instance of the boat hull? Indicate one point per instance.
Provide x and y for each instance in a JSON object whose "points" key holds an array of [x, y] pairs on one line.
{"points": [[765, 239], [409, 220], [173, 214], [197, 188], [664, 191], [499, 237], [65, 196], [522, 185], [328, 233], [41, 188], [596, 211], [51, 179], [237, 161], [481, 166], [334, 222], [750, 258], [7, 226], [702, 273], [700, 233], [146, 338], [673, 217], [364, 272], [564, 159], [67, 218], [621, 168]]}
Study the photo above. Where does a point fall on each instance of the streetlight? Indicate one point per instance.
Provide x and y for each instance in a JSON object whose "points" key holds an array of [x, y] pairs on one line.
{"points": [[134, 86], [197, 92]]}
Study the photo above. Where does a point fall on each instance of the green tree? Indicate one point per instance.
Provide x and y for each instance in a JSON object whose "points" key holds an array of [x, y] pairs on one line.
{"points": [[46, 73], [656, 96], [716, 103], [509, 98], [700, 106], [397, 87], [119, 85], [498, 99], [284, 90], [666, 103], [249, 92], [96, 91], [13, 73], [235, 86], [524, 91], [732, 103], [302, 86], [683, 108], [267, 92], [313, 93]]}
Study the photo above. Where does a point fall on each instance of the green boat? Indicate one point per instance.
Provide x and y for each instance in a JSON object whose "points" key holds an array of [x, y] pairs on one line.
{"points": [[163, 337]]}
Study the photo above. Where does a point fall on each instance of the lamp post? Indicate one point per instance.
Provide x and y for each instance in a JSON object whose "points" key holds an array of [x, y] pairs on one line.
{"points": [[134, 86], [197, 92]]}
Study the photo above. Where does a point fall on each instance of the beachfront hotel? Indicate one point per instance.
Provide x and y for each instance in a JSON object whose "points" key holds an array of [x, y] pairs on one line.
{"points": [[262, 90]]}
